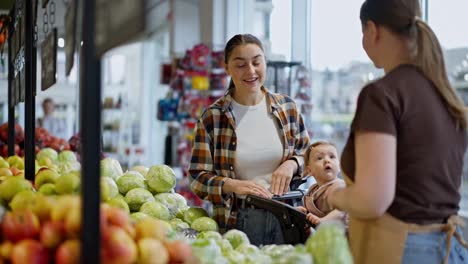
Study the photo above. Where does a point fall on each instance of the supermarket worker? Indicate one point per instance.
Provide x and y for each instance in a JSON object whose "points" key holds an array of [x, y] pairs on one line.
{"points": [[250, 141], [404, 155]]}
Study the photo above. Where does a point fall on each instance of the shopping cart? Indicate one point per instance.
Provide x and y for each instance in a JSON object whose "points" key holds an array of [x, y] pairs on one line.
{"points": [[296, 228]]}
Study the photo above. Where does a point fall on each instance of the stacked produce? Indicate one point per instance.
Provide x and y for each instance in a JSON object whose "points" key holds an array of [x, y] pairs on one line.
{"points": [[43, 140], [142, 220], [41, 219]]}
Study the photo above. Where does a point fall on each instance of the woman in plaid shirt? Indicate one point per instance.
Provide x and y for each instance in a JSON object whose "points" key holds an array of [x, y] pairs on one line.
{"points": [[250, 141]]}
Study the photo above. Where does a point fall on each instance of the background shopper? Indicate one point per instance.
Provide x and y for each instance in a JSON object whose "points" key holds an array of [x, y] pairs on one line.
{"points": [[50, 122]]}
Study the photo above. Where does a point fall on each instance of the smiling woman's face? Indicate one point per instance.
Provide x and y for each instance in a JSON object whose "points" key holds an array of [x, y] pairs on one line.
{"points": [[247, 68]]}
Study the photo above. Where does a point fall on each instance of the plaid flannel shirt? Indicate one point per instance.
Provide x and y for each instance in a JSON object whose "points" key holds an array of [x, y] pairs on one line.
{"points": [[214, 147]]}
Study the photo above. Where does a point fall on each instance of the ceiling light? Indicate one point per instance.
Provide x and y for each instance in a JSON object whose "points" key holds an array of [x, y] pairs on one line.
{"points": [[466, 77], [61, 43]]}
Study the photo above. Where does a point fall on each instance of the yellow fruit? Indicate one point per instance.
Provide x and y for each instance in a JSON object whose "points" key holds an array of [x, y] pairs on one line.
{"points": [[4, 164], [42, 207], [13, 185], [62, 206], [23, 200], [151, 228], [152, 251], [16, 161], [5, 172]]}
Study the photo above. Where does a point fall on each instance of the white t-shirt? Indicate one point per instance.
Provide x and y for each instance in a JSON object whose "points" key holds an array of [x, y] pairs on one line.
{"points": [[259, 145]]}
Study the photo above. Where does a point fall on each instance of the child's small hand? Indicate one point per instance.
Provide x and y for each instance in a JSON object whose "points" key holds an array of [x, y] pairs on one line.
{"points": [[313, 219], [302, 209]]}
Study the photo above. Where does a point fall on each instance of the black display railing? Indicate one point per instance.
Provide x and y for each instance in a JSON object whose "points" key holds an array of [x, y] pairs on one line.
{"points": [[22, 78], [11, 106], [90, 112], [90, 124], [30, 100]]}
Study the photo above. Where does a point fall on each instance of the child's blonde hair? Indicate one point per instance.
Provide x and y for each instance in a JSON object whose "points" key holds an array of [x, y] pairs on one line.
{"points": [[314, 145]]}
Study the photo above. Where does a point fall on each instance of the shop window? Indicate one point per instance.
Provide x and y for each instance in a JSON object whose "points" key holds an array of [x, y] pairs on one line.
{"points": [[280, 29], [449, 21], [272, 25], [340, 67]]}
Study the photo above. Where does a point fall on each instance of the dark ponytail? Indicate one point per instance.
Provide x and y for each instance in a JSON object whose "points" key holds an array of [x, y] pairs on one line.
{"points": [[402, 18], [231, 86], [429, 58]]}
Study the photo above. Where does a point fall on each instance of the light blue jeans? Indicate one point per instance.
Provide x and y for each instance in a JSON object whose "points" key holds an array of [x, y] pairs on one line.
{"points": [[261, 226], [429, 248]]}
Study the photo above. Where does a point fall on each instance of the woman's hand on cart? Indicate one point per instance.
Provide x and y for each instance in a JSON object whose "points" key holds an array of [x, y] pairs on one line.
{"points": [[242, 187], [282, 177], [302, 209]]}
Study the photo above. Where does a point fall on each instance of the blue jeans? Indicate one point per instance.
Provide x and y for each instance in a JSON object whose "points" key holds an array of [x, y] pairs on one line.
{"points": [[261, 226], [429, 248]]}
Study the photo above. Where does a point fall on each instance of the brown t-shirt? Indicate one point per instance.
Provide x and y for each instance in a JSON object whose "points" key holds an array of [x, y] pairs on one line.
{"points": [[430, 148]]}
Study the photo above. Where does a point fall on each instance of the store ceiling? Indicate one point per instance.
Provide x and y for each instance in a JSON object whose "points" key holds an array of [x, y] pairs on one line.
{"points": [[6, 5]]}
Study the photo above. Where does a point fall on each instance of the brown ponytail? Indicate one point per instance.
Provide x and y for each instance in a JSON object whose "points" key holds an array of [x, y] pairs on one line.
{"points": [[231, 86], [429, 58], [402, 18]]}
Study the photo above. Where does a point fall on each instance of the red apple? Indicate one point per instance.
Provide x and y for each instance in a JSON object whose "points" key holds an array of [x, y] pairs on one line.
{"points": [[118, 247], [118, 217], [52, 234], [68, 252], [15, 171], [29, 251], [179, 251], [20, 225]]}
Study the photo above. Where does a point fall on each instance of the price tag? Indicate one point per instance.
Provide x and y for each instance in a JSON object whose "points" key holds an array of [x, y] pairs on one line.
{"points": [[22, 87], [70, 40], [49, 60]]}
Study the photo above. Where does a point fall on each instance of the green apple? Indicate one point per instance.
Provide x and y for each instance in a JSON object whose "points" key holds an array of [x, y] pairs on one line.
{"points": [[4, 163], [68, 183], [23, 200], [16, 161], [45, 175], [119, 201], [13, 185], [47, 189]]}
